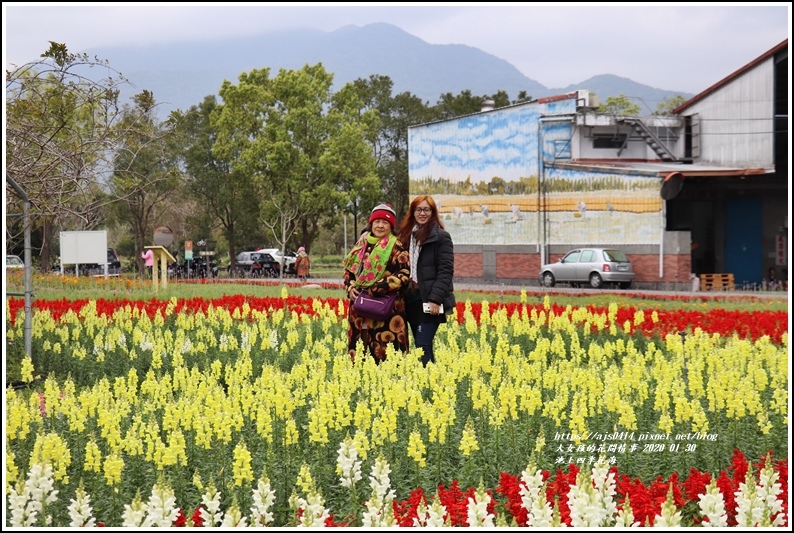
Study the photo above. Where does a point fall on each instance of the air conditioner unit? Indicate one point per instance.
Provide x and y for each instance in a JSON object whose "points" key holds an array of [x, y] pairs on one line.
{"points": [[585, 99]]}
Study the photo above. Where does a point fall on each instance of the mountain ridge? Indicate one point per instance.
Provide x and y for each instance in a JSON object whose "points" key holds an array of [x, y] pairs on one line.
{"points": [[182, 74]]}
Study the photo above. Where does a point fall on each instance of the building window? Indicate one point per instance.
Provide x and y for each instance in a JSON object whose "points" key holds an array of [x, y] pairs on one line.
{"points": [[609, 140]]}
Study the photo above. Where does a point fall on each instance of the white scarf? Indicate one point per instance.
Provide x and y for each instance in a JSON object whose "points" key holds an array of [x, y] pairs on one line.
{"points": [[413, 251]]}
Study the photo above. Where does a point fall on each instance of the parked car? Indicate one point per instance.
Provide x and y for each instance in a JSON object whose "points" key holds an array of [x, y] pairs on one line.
{"points": [[288, 260], [244, 260], [267, 263], [595, 266], [14, 261], [113, 262]]}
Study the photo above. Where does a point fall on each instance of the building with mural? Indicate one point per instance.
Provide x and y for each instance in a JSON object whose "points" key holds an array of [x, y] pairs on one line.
{"points": [[519, 186]]}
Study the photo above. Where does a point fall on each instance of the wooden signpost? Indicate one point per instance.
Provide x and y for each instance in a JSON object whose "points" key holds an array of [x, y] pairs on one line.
{"points": [[162, 257]]}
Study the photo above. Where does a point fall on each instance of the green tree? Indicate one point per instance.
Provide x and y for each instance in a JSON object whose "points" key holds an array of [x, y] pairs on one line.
{"points": [[450, 106], [303, 151], [522, 97], [390, 140], [500, 99], [227, 196], [619, 105], [146, 172], [60, 128], [465, 103], [667, 105]]}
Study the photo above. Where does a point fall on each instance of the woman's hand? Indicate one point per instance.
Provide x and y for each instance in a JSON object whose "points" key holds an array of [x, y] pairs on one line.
{"points": [[353, 293]]}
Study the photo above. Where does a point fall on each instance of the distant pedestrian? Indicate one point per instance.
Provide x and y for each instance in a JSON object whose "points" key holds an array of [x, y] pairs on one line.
{"points": [[148, 257], [302, 264]]}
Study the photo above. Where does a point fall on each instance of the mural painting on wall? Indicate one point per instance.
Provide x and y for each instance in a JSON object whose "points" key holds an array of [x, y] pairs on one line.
{"points": [[483, 174], [577, 210]]}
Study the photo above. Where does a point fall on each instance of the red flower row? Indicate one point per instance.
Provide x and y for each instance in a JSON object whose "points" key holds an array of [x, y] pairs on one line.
{"points": [[646, 501], [746, 324]]}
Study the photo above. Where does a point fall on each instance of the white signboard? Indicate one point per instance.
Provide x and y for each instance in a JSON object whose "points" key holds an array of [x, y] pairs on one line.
{"points": [[84, 247]]}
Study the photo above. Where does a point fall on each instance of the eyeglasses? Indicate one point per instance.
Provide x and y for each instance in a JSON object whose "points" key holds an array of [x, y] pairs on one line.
{"points": [[424, 210]]}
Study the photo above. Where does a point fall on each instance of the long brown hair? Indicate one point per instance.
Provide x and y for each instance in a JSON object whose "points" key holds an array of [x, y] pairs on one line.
{"points": [[410, 221]]}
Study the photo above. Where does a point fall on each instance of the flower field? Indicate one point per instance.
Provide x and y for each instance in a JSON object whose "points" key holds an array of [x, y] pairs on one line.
{"points": [[244, 411]]}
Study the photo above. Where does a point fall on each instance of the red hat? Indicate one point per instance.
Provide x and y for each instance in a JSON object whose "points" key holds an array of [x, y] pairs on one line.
{"points": [[384, 212]]}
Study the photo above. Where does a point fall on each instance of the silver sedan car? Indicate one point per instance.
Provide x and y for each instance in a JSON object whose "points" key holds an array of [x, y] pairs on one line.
{"points": [[595, 266], [13, 261]]}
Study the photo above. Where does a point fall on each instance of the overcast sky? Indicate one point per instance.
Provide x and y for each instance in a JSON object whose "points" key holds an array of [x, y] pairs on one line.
{"points": [[682, 47]]}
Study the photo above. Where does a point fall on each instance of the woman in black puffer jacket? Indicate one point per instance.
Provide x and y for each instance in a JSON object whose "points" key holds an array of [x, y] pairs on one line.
{"points": [[429, 297]]}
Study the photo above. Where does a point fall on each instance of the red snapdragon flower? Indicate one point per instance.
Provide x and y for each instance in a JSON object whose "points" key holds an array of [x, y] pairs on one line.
{"points": [[406, 511], [180, 520], [510, 487]]}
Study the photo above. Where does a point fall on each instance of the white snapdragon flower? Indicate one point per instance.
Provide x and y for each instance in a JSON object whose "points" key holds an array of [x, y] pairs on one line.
{"points": [[712, 507], [263, 497], [347, 464], [379, 512], [28, 503], [533, 499], [670, 516], [17, 504], [591, 500], [234, 518], [314, 512], [431, 517], [477, 510], [80, 511], [134, 513], [380, 482], [625, 517], [756, 504], [162, 509], [435, 514], [210, 512]]}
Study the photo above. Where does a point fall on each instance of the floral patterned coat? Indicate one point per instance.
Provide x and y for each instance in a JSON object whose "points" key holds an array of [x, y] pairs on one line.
{"points": [[376, 335]]}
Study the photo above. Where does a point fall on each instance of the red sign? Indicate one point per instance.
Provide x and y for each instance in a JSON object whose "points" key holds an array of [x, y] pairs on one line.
{"points": [[780, 249]]}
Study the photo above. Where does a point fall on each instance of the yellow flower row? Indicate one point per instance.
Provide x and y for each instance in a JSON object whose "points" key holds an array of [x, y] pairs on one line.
{"points": [[218, 379]]}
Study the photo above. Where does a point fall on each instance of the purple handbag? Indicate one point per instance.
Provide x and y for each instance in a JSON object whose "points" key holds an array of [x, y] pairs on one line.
{"points": [[376, 307]]}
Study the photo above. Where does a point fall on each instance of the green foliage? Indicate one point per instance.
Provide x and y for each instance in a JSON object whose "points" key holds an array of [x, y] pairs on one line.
{"points": [[146, 171], [226, 196], [667, 105], [304, 152], [60, 127], [619, 105]]}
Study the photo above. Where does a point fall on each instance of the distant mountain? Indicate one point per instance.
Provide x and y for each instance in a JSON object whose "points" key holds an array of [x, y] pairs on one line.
{"points": [[181, 75]]}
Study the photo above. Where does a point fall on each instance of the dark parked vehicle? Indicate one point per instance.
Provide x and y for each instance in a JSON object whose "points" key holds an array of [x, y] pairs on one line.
{"points": [[255, 264], [113, 262], [594, 266], [288, 259]]}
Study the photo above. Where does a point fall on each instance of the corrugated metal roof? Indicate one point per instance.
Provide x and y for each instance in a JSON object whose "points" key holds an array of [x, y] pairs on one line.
{"points": [[659, 169], [545, 99], [752, 64]]}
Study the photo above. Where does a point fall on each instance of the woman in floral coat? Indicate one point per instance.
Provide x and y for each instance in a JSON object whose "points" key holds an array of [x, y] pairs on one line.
{"points": [[377, 264]]}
